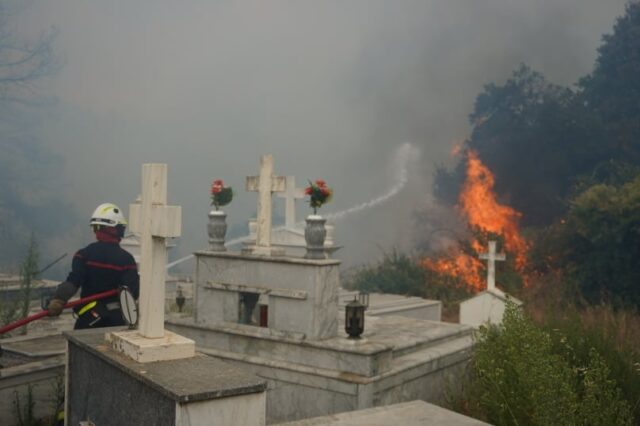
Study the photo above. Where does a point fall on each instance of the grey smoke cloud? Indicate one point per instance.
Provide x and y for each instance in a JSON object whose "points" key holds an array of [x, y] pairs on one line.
{"points": [[330, 88]]}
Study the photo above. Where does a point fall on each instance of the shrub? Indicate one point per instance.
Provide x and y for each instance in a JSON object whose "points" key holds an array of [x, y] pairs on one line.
{"points": [[398, 273], [523, 374]]}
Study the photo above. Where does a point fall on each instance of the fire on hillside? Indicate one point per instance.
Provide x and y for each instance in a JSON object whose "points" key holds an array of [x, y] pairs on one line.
{"points": [[480, 209]]}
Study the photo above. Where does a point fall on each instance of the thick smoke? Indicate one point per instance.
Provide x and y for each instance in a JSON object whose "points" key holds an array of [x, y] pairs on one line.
{"points": [[330, 88]]}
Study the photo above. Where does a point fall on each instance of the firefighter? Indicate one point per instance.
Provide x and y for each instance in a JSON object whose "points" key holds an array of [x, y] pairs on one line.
{"points": [[99, 267]]}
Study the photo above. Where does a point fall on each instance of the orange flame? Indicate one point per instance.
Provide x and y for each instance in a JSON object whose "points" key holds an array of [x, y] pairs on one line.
{"points": [[464, 267], [479, 206]]}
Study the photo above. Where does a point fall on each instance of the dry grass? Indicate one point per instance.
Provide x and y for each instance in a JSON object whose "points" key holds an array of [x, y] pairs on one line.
{"points": [[548, 302]]}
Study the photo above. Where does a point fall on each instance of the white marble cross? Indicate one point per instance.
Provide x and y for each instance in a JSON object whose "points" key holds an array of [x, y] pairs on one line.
{"points": [[290, 195], [265, 184], [491, 259], [154, 221]]}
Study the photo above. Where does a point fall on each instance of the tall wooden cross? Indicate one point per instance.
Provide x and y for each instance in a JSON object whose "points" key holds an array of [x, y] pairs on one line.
{"points": [[491, 259], [265, 184], [290, 196]]}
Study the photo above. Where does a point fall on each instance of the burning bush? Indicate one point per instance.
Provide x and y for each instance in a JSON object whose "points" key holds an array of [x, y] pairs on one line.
{"points": [[487, 219], [398, 273]]}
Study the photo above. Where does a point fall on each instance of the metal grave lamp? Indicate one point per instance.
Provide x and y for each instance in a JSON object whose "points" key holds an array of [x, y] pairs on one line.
{"points": [[354, 317], [363, 297], [180, 299]]}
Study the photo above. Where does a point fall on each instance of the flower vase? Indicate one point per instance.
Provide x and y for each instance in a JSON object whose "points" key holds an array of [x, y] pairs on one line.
{"points": [[314, 235], [217, 229]]}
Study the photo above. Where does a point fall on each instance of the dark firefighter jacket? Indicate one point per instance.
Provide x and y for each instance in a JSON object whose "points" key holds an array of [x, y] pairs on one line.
{"points": [[103, 266]]}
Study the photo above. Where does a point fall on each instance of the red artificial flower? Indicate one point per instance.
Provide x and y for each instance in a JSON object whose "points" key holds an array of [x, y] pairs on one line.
{"points": [[216, 186], [308, 191], [321, 182]]}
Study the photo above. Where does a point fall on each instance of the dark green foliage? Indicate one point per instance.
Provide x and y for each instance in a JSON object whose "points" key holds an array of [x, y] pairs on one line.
{"points": [[567, 160], [222, 198], [598, 244], [540, 139], [601, 337], [522, 376], [398, 273], [28, 272], [536, 139], [612, 90], [12, 309]]}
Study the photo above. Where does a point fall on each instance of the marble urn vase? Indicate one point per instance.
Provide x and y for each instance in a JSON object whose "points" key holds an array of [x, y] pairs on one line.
{"points": [[314, 235], [217, 229]]}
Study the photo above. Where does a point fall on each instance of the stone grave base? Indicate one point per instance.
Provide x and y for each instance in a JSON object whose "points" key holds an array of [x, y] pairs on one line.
{"points": [[109, 388], [414, 413], [382, 305], [36, 362], [135, 346], [397, 360]]}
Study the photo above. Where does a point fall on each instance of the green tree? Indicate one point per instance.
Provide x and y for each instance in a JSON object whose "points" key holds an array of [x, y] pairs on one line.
{"points": [[535, 138], [28, 272], [18, 307], [611, 92], [396, 273], [598, 245]]}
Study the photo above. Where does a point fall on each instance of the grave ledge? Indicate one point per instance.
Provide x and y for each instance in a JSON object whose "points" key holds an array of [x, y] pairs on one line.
{"points": [[198, 378], [169, 347], [275, 259], [339, 343]]}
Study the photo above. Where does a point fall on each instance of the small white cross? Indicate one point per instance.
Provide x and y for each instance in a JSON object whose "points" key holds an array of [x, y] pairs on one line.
{"points": [[290, 195], [265, 184], [491, 259], [154, 221]]}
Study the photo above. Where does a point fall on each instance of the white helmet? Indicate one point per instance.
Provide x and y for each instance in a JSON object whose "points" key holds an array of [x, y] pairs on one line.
{"points": [[108, 215]]}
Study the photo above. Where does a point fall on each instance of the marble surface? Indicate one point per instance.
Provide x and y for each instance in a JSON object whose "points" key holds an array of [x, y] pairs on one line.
{"points": [[219, 275], [197, 378], [185, 392], [397, 305], [413, 413], [246, 411], [485, 307], [30, 362], [399, 359]]}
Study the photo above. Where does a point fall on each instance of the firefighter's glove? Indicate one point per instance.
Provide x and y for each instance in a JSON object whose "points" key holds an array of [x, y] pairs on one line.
{"points": [[55, 307]]}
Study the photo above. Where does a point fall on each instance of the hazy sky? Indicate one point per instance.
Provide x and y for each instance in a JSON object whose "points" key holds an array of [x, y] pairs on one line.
{"points": [[330, 88]]}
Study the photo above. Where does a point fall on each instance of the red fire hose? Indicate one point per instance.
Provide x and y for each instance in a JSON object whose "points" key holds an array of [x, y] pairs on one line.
{"points": [[71, 304]]}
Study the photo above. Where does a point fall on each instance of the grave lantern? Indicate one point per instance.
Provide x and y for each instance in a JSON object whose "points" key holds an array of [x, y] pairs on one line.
{"points": [[354, 318], [180, 299], [363, 297]]}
